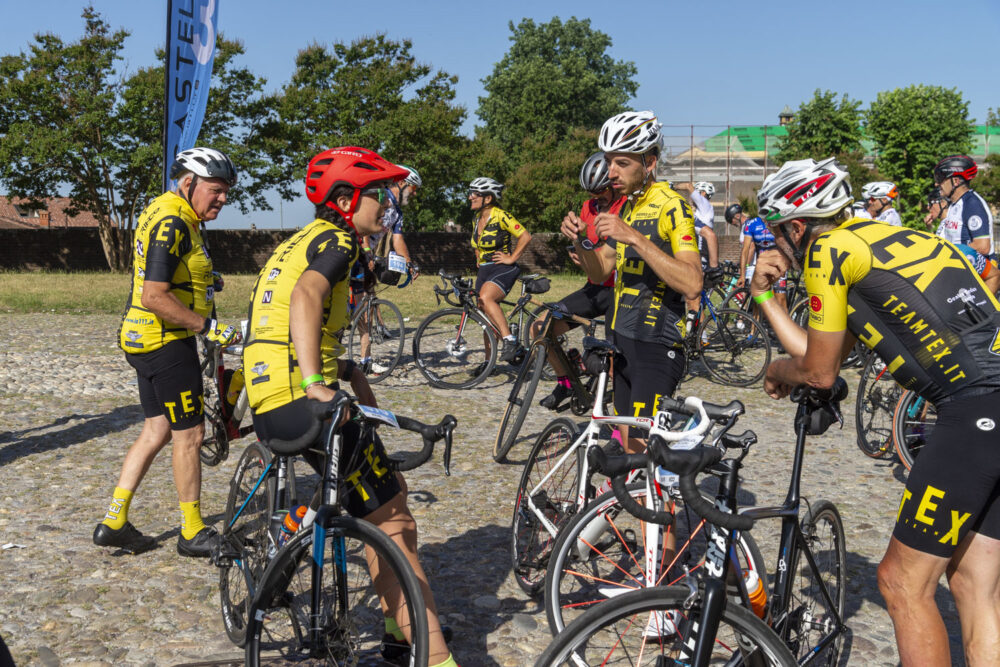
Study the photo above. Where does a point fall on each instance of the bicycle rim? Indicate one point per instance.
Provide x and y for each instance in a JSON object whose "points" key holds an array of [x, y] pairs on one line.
{"points": [[734, 347], [650, 627], [450, 348], [386, 333], [912, 423], [878, 394], [601, 554], [350, 616]]}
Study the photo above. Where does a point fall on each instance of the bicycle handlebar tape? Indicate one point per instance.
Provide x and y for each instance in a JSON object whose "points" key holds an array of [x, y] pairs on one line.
{"points": [[430, 433]]}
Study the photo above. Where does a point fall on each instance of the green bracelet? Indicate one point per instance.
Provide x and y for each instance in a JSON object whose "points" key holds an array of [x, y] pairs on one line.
{"points": [[766, 296], [311, 380]]}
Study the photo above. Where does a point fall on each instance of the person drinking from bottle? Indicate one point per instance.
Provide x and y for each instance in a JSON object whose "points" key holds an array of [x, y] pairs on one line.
{"points": [[171, 300]]}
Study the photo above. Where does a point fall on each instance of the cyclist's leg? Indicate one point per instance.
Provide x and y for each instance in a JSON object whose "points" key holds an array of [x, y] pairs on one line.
{"points": [[650, 370], [973, 576], [490, 296], [908, 580], [379, 496]]}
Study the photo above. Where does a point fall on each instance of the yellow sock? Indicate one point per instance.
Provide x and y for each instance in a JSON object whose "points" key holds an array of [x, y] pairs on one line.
{"points": [[450, 662], [118, 511], [191, 523], [392, 628]]}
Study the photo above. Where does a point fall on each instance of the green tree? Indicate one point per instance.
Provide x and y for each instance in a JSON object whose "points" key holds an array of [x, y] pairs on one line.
{"points": [[73, 123], [988, 183], [555, 77], [913, 128], [373, 93], [823, 127]]}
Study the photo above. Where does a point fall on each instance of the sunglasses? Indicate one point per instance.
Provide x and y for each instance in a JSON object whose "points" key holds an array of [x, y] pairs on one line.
{"points": [[378, 192]]}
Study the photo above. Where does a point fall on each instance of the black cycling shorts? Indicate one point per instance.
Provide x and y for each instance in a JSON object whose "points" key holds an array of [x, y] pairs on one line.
{"points": [[954, 486], [366, 482], [644, 372], [170, 383], [502, 275]]}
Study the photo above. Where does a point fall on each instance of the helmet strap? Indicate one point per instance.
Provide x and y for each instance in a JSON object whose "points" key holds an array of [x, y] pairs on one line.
{"points": [[798, 250], [190, 190], [348, 215]]}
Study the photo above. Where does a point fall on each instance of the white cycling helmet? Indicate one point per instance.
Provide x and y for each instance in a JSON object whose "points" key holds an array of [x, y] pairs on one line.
{"points": [[594, 173], [204, 162], [878, 190], [630, 132], [804, 189], [705, 187], [486, 186], [413, 178]]}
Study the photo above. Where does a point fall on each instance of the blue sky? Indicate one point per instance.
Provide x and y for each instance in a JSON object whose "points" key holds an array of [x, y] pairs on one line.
{"points": [[709, 62]]}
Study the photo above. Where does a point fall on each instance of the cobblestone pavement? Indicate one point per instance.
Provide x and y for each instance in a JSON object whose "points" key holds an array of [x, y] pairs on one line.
{"points": [[69, 411]]}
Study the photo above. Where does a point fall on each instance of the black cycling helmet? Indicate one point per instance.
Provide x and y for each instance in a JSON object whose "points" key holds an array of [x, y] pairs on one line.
{"points": [[594, 173], [955, 165], [732, 211]]}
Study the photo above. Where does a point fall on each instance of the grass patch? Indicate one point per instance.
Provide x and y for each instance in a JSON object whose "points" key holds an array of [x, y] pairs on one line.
{"points": [[107, 293]]}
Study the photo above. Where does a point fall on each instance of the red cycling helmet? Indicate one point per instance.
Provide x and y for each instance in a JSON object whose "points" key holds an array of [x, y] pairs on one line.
{"points": [[347, 165], [955, 165]]}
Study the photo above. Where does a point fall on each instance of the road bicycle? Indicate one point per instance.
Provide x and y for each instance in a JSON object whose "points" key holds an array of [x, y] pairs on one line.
{"points": [[912, 422], [802, 621], [877, 397], [222, 417], [732, 345], [456, 348], [317, 598], [382, 322], [555, 483], [533, 370], [605, 551]]}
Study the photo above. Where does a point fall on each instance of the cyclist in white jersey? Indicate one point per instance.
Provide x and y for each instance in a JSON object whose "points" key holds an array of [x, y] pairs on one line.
{"points": [[969, 220], [878, 198]]}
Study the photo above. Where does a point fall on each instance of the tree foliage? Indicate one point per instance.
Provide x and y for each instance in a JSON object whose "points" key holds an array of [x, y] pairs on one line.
{"points": [[913, 128], [73, 123], [823, 127], [373, 93]]}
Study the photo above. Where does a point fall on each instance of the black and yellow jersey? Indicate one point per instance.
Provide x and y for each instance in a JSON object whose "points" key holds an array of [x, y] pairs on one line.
{"points": [[645, 307], [271, 368], [498, 235], [168, 248], [913, 298]]}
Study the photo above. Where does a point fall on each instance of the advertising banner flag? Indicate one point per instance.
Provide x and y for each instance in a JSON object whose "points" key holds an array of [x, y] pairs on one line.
{"points": [[191, 31]]}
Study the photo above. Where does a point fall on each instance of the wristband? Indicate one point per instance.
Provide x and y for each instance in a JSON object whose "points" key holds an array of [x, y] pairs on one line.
{"points": [[766, 296], [311, 380]]}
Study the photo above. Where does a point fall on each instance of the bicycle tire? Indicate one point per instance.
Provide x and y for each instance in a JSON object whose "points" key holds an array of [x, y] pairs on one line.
{"points": [[215, 443], [737, 299], [734, 347], [519, 402], [530, 540], [280, 611], [799, 312], [445, 355], [619, 632], [809, 619], [252, 493], [874, 407], [600, 554], [912, 423], [387, 340]]}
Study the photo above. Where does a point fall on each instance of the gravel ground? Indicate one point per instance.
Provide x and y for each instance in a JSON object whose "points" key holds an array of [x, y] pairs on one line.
{"points": [[70, 411]]}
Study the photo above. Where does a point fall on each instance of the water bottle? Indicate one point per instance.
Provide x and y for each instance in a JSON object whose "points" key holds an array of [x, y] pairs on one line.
{"points": [[756, 592], [291, 524], [235, 387], [575, 358]]}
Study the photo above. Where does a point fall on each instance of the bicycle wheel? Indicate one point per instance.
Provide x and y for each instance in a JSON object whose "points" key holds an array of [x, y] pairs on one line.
{"points": [[878, 394], [650, 626], [799, 312], [532, 541], [386, 332], [350, 617], [810, 618], [737, 299], [912, 423], [451, 351], [734, 347], [252, 493], [519, 402], [601, 553], [215, 445]]}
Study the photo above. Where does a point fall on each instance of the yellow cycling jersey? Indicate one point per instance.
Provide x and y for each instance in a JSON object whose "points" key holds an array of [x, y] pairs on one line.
{"points": [[270, 365], [913, 298], [168, 248], [646, 308], [498, 236]]}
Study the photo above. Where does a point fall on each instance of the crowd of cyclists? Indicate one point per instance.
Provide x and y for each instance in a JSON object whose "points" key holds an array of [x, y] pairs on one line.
{"points": [[924, 302]]}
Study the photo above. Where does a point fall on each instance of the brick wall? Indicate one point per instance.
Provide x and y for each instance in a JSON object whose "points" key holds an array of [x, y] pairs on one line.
{"points": [[245, 251]]}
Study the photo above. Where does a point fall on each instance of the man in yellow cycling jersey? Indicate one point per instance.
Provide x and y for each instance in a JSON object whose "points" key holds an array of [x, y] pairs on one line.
{"points": [[652, 249], [171, 301], [915, 300], [298, 309]]}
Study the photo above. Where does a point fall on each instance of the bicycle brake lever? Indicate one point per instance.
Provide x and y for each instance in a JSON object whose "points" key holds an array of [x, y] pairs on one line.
{"points": [[447, 453]]}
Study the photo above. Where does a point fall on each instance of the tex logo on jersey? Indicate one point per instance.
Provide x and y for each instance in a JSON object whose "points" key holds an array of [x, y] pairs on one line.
{"points": [[995, 345]]}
